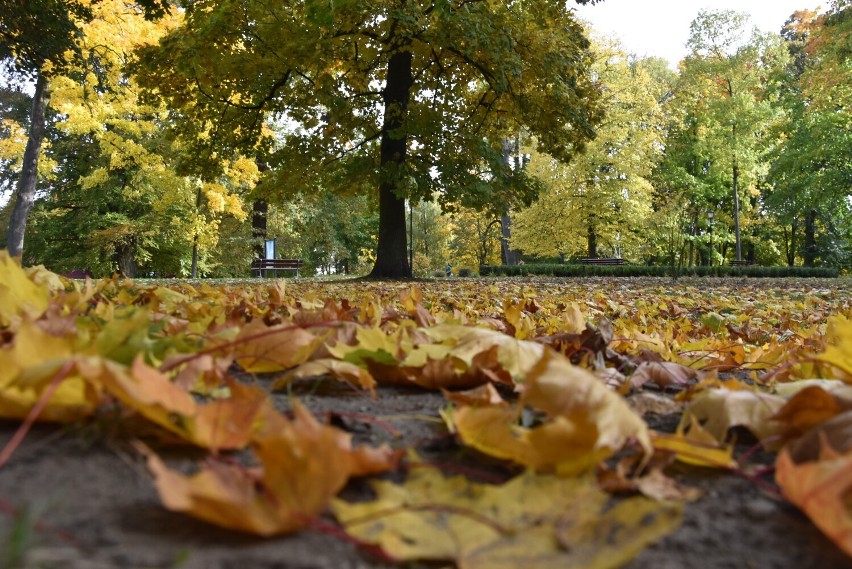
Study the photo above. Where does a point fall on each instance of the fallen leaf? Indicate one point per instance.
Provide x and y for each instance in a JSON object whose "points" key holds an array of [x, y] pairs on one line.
{"points": [[303, 464], [585, 423], [821, 489], [663, 374], [19, 295], [533, 521], [265, 349], [328, 367], [720, 409]]}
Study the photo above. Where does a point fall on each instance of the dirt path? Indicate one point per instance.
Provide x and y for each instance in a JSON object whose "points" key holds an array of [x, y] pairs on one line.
{"points": [[97, 507]]}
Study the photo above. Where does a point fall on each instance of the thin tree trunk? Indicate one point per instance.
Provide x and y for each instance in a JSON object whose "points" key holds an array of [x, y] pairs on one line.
{"points": [[391, 257], [736, 176], [791, 243], [508, 255], [194, 269], [809, 251], [29, 172]]}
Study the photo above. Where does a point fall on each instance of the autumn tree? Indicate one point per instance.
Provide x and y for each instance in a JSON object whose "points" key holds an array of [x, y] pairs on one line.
{"points": [[117, 200], [601, 198], [729, 72], [412, 97], [37, 37], [812, 170]]}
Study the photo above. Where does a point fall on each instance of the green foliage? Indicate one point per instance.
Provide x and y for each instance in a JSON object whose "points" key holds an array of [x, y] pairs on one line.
{"points": [[348, 112]]}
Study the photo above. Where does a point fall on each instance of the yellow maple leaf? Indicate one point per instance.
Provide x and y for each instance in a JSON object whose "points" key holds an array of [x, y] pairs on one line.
{"points": [[19, 295], [533, 521], [838, 353], [586, 422], [264, 349]]}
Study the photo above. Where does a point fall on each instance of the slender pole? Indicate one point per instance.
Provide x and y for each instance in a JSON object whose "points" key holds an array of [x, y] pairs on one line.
{"points": [[411, 236]]}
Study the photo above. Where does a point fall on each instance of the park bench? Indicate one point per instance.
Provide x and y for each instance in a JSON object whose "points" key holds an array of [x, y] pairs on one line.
{"points": [[590, 261], [261, 267], [741, 263]]}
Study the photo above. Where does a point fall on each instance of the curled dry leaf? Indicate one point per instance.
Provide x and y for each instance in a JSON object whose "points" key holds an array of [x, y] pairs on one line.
{"points": [[535, 521], [720, 409], [821, 488], [810, 407], [663, 374], [328, 367], [585, 422]]}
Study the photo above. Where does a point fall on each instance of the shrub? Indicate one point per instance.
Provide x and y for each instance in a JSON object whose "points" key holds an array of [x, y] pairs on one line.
{"points": [[465, 272], [578, 270]]}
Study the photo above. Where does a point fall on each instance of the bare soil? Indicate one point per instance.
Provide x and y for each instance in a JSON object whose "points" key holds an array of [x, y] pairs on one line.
{"points": [[92, 505]]}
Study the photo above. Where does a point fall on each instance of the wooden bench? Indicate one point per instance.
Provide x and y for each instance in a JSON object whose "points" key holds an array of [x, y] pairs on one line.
{"points": [[260, 267], [590, 261], [740, 263]]}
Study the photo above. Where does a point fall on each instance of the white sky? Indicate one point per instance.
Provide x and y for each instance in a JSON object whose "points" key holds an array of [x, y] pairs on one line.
{"points": [[661, 27]]}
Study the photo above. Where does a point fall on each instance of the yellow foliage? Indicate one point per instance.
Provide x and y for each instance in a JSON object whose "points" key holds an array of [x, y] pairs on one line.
{"points": [[532, 521]]}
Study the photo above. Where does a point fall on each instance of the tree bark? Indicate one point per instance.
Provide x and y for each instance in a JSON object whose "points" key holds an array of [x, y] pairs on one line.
{"points": [[391, 257], [259, 212], [194, 268], [790, 244], [736, 180], [809, 250], [508, 255], [592, 242], [25, 196]]}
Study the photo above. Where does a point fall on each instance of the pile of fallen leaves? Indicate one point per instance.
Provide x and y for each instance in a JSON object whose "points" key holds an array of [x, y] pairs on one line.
{"points": [[553, 377]]}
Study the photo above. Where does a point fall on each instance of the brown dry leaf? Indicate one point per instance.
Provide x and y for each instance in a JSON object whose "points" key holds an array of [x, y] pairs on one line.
{"points": [[228, 423], [328, 367], [664, 374], [644, 402], [835, 432], [808, 408], [533, 521], [303, 465], [720, 409], [821, 488], [265, 349], [483, 395]]}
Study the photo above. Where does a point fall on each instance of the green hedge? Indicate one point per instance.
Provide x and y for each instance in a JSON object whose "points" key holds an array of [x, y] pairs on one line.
{"points": [[574, 270]]}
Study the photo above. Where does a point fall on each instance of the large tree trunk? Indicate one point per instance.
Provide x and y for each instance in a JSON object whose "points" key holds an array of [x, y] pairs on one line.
{"points": [[809, 250], [391, 257], [29, 173], [592, 242]]}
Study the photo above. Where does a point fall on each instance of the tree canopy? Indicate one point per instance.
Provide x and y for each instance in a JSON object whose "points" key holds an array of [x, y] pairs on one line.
{"points": [[407, 96]]}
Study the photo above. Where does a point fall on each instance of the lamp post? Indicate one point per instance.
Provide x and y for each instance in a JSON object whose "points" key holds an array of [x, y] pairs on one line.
{"points": [[710, 217]]}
